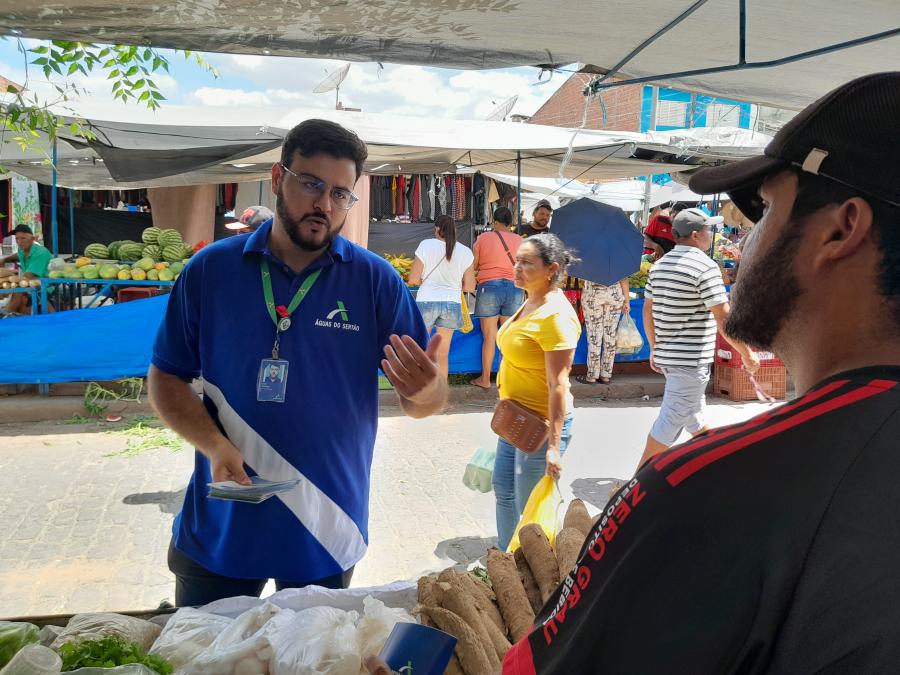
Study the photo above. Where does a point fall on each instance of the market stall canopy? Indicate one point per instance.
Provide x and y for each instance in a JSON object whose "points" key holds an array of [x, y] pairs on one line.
{"points": [[128, 155], [669, 37]]}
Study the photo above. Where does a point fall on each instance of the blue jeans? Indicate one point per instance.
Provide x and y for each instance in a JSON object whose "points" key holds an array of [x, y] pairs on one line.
{"points": [[515, 475], [499, 297], [441, 314]]}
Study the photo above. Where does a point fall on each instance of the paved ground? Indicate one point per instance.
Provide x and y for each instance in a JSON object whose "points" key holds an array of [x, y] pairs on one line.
{"points": [[84, 527]]}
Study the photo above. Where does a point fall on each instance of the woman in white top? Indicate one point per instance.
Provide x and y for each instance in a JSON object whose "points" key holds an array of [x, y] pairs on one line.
{"points": [[442, 269]]}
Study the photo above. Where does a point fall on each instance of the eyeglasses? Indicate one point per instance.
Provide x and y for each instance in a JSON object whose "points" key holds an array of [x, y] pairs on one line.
{"points": [[315, 187]]}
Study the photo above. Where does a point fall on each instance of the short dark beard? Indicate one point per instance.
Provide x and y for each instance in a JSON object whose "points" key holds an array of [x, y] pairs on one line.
{"points": [[766, 292], [292, 226]]}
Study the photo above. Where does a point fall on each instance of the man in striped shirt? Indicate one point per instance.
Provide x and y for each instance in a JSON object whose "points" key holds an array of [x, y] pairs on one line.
{"points": [[685, 304]]}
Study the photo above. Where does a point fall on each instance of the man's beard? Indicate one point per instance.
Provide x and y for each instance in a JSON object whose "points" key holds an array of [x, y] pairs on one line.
{"points": [[766, 292], [293, 227]]}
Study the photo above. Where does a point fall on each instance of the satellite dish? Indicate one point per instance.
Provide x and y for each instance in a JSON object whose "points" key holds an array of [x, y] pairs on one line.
{"points": [[333, 81], [501, 111]]}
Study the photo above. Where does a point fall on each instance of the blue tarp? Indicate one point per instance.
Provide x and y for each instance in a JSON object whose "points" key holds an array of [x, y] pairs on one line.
{"points": [[465, 350], [113, 342], [106, 343]]}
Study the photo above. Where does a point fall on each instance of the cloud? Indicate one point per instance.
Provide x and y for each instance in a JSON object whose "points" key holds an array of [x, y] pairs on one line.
{"points": [[392, 89]]}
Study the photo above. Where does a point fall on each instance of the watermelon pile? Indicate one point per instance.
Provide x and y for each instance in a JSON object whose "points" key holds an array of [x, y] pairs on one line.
{"points": [[159, 256]]}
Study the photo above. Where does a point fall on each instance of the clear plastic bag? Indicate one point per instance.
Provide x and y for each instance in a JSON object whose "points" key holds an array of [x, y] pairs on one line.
{"points": [[187, 634], [242, 648], [33, 659], [628, 338], [15, 635], [480, 470], [97, 626], [319, 641]]}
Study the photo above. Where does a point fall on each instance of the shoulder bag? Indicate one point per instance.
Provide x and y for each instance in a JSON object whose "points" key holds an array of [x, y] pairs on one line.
{"points": [[519, 426]]}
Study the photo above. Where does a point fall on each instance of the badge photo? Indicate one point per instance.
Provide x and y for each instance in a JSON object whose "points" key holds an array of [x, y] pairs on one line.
{"points": [[271, 384]]}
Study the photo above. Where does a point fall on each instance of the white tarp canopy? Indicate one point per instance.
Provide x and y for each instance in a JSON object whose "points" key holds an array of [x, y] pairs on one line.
{"points": [[502, 33], [128, 155]]}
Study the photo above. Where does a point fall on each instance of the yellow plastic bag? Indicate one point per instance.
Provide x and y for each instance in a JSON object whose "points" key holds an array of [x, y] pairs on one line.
{"points": [[542, 508], [467, 324]]}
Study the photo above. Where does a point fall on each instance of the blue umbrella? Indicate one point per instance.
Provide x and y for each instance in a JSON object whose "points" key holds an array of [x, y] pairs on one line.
{"points": [[608, 243]]}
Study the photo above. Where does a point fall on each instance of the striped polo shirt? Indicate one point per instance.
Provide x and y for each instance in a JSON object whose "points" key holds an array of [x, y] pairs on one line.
{"points": [[684, 285]]}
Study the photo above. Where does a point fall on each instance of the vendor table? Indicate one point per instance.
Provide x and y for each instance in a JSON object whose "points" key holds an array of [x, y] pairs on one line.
{"points": [[103, 286]]}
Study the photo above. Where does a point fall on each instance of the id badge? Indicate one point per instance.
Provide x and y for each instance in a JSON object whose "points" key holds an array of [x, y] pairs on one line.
{"points": [[272, 382]]}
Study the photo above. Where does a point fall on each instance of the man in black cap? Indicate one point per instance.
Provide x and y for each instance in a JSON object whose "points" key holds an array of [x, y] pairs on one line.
{"points": [[540, 219], [772, 546]]}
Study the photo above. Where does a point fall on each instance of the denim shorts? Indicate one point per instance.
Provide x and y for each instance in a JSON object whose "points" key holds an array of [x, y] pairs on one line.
{"points": [[441, 314], [499, 297], [683, 403]]}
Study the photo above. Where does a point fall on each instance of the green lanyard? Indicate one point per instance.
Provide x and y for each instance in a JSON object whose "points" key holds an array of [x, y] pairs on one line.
{"points": [[283, 323]]}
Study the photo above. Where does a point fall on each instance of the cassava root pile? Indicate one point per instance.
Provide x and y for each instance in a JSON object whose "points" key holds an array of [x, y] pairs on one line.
{"points": [[486, 619]]}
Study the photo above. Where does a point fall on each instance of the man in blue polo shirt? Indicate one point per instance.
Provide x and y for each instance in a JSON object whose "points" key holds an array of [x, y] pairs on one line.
{"points": [[294, 299]]}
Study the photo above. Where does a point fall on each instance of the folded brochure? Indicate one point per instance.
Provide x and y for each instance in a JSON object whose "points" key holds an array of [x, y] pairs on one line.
{"points": [[259, 490]]}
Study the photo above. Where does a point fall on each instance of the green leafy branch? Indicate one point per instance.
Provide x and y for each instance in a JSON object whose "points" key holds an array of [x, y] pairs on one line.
{"points": [[130, 70]]}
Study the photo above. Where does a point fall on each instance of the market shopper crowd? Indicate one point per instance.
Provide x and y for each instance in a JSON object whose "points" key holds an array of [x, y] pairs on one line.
{"points": [[770, 546]]}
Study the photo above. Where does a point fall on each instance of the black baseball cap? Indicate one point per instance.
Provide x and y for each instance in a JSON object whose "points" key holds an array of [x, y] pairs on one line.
{"points": [[543, 204], [849, 136], [22, 228]]}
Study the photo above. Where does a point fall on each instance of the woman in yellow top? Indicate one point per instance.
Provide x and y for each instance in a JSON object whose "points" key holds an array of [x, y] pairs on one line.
{"points": [[538, 345]]}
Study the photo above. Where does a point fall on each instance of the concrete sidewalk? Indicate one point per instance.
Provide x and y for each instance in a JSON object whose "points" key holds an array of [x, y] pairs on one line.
{"points": [[32, 408]]}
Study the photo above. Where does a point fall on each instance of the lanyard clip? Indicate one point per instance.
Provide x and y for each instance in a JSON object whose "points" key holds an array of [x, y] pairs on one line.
{"points": [[275, 347]]}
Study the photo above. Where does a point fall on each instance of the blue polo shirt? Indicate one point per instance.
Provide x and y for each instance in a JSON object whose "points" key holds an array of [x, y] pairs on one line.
{"points": [[217, 327]]}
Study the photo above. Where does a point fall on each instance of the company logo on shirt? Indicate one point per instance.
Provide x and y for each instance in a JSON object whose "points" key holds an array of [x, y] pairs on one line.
{"points": [[338, 318], [340, 310]]}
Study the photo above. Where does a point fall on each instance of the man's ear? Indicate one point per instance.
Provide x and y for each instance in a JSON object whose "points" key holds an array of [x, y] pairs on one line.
{"points": [[843, 229], [277, 173]]}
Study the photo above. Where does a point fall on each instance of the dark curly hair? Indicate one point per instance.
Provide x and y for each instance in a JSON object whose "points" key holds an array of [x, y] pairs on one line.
{"points": [[321, 137]]}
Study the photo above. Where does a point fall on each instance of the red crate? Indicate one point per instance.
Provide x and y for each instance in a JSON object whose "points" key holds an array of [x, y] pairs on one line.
{"points": [[728, 356], [734, 383], [136, 293]]}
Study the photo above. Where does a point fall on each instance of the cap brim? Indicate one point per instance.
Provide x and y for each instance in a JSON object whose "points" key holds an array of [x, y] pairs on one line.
{"points": [[740, 180]]}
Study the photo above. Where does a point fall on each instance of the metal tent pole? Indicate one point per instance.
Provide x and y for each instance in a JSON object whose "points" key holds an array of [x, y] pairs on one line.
{"points": [[72, 220], [53, 224], [648, 184], [519, 188]]}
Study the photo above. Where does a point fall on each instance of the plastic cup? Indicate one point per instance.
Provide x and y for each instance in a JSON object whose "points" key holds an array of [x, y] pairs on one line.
{"points": [[413, 649]]}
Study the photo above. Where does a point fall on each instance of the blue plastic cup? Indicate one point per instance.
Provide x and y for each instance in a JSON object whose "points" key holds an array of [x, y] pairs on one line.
{"points": [[413, 649]]}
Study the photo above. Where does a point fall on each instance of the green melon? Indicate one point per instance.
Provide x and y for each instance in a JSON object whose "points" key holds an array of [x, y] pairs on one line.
{"points": [[166, 275], [153, 275], [90, 272], [131, 251], [73, 274], [152, 251], [169, 237], [108, 271], [56, 274], [176, 267], [96, 251], [173, 253], [151, 235]]}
